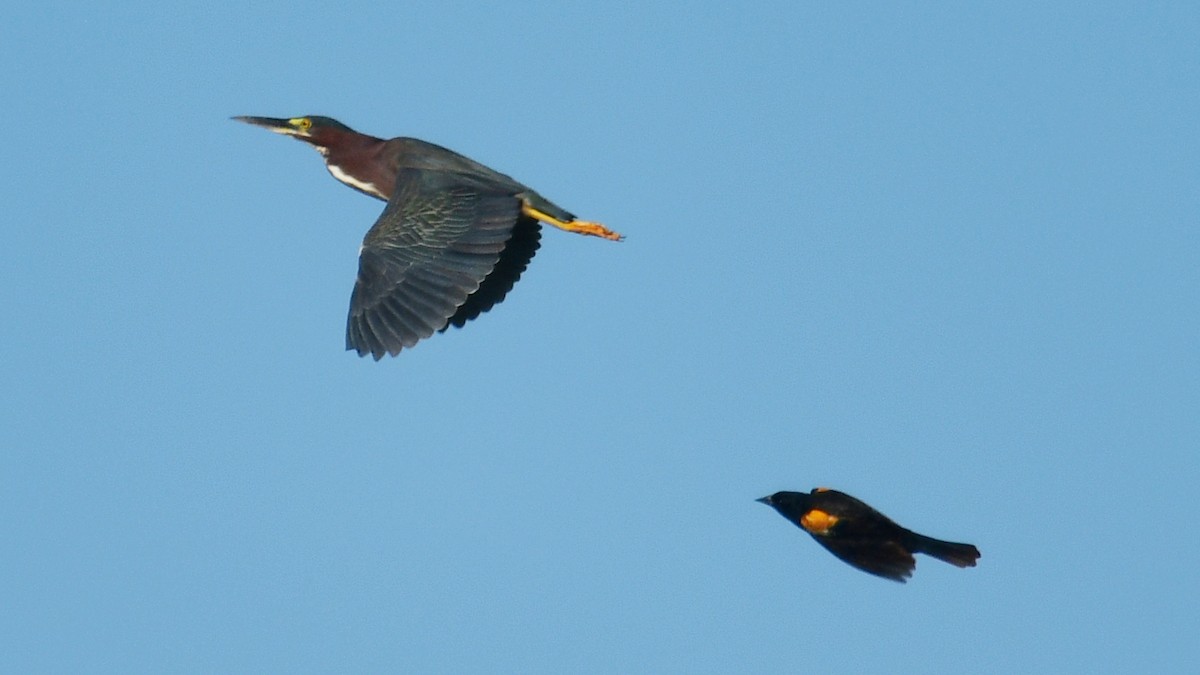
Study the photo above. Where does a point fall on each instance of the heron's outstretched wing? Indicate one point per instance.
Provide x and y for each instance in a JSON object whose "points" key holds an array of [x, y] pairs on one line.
{"points": [[434, 246], [520, 249]]}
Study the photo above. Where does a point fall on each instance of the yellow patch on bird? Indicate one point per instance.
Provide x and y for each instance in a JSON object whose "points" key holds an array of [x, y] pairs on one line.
{"points": [[822, 489], [817, 521], [301, 124]]}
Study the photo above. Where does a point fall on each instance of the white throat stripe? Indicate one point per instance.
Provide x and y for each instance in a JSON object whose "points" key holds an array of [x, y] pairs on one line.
{"points": [[354, 182]]}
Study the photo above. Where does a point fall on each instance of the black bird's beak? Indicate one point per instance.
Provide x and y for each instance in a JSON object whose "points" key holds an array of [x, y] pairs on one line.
{"points": [[287, 127], [764, 500]]}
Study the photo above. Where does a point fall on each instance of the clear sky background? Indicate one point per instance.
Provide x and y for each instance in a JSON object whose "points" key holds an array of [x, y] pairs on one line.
{"points": [[943, 257]]}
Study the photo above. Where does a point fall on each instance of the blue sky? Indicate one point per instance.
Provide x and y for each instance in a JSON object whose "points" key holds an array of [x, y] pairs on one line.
{"points": [[942, 257]]}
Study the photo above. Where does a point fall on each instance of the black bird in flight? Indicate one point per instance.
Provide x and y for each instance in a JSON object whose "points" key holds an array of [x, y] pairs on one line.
{"points": [[452, 241], [862, 536]]}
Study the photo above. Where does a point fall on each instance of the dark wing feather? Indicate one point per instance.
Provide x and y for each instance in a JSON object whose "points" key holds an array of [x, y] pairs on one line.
{"points": [[882, 557], [526, 238], [434, 245]]}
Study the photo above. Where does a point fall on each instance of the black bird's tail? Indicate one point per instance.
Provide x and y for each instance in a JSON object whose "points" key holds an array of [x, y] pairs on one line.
{"points": [[961, 555]]}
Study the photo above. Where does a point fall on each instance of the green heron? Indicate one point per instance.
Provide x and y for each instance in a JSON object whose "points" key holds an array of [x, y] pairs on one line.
{"points": [[452, 241], [862, 536]]}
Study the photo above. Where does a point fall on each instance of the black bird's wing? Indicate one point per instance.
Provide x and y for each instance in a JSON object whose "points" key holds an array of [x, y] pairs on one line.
{"points": [[881, 556], [433, 247], [864, 537]]}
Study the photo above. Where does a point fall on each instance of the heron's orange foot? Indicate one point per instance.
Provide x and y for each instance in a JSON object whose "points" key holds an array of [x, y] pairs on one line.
{"points": [[576, 226], [593, 229]]}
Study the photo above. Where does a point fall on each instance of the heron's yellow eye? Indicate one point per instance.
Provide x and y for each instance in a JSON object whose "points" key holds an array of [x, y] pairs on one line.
{"points": [[301, 123]]}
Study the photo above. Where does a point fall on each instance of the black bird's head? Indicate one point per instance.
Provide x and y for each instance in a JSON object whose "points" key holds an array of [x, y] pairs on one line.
{"points": [[797, 501], [807, 510]]}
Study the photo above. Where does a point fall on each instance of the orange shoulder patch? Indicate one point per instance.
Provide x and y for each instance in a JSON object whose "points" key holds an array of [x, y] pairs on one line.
{"points": [[817, 521]]}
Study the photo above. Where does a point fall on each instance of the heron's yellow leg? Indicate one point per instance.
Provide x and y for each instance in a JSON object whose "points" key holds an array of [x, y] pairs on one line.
{"points": [[577, 226]]}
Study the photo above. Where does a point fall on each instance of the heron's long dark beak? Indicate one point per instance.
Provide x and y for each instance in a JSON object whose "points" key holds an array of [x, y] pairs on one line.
{"points": [[279, 125]]}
